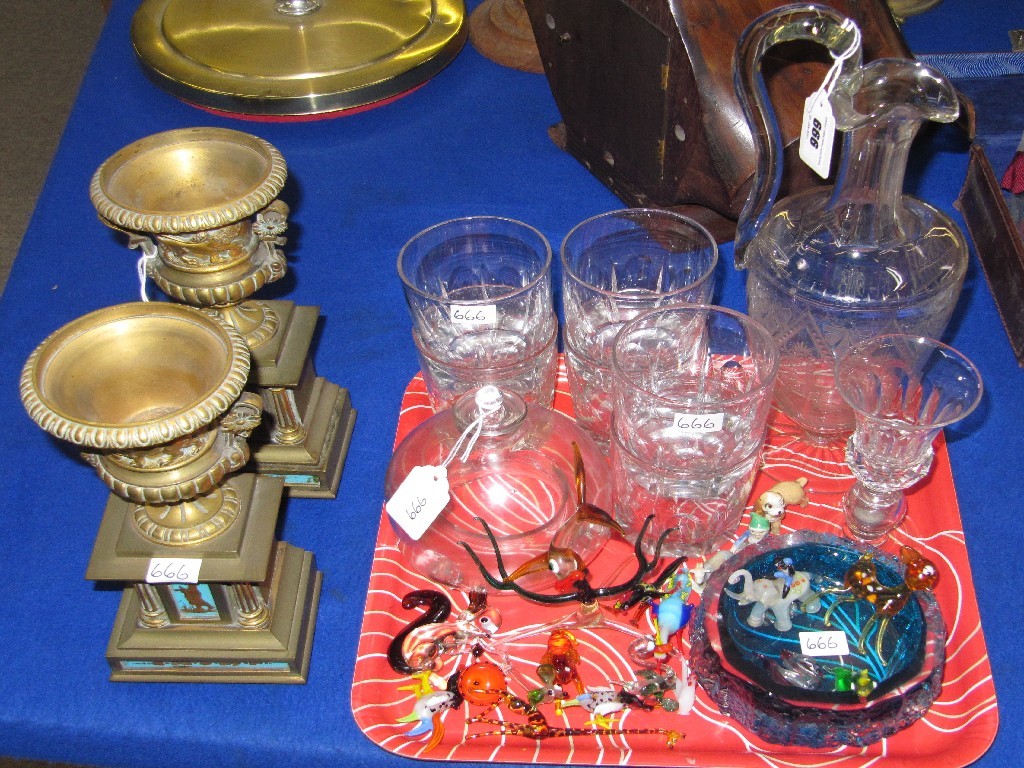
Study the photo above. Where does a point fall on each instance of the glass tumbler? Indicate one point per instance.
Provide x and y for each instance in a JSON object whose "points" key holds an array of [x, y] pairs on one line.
{"points": [[480, 296], [692, 393], [615, 266]]}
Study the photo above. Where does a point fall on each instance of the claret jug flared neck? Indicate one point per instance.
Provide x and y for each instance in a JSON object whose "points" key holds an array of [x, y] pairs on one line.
{"points": [[830, 266]]}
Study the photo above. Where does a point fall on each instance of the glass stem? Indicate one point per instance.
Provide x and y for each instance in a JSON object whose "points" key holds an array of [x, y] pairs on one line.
{"points": [[871, 512]]}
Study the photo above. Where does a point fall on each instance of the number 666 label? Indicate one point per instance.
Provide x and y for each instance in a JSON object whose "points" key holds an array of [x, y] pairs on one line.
{"points": [[173, 570], [698, 422], [832, 643], [473, 314]]}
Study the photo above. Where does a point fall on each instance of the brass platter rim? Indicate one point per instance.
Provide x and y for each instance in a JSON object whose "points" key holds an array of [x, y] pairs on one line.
{"points": [[904, 9], [205, 85]]}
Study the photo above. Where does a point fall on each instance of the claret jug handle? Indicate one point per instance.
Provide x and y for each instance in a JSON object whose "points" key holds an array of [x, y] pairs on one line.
{"points": [[788, 23]]}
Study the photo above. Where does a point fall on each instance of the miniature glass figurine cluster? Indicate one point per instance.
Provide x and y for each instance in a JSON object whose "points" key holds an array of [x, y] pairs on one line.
{"points": [[633, 507]]}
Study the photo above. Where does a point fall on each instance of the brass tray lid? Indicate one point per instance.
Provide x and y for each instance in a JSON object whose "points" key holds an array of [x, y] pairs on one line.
{"points": [[295, 57], [904, 9]]}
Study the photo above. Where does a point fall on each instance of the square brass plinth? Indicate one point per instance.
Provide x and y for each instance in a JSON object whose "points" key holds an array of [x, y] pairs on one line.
{"points": [[277, 653], [280, 361], [312, 467], [240, 553]]}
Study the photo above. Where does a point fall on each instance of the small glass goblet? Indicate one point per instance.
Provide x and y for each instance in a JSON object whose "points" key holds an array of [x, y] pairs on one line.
{"points": [[903, 390]]}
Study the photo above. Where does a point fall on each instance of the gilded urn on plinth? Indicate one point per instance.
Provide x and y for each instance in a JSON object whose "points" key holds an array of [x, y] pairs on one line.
{"points": [[152, 395], [201, 204]]}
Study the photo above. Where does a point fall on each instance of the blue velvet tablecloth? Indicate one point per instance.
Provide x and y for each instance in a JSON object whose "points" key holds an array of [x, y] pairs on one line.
{"points": [[472, 141]]}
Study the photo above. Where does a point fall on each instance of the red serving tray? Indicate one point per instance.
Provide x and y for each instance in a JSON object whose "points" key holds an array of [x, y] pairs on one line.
{"points": [[958, 728]]}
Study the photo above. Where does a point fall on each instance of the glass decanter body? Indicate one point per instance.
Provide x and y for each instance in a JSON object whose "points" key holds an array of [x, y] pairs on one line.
{"points": [[829, 267]]}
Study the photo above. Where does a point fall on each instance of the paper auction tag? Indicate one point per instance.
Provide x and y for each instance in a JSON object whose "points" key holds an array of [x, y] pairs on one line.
{"points": [[698, 422], [173, 570], [419, 500], [473, 314], [819, 126], [818, 133], [832, 643]]}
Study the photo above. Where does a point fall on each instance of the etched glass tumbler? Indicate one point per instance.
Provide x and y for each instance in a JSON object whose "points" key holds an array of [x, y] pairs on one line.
{"points": [[615, 266], [480, 296], [692, 390], [903, 390]]}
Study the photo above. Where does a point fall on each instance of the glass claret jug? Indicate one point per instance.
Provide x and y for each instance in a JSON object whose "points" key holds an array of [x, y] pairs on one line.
{"points": [[830, 266]]}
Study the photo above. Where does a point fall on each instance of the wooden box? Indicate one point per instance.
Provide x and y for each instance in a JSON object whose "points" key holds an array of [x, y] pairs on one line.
{"points": [[645, 92]]}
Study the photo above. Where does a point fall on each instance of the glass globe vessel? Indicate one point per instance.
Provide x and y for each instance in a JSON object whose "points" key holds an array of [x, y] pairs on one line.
{"points": [[511, 470]]}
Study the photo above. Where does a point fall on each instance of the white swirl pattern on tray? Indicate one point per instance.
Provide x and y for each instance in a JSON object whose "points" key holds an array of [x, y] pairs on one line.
{"points": [[957, 729]]}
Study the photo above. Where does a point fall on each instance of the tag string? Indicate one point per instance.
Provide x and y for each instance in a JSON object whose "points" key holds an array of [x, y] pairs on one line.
{"points": [[829, 83], [149, 253], [141, 267], [486, 404]]}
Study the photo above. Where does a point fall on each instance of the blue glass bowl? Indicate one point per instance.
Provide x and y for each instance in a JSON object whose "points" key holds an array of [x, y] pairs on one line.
{"points": [[748, 671]]}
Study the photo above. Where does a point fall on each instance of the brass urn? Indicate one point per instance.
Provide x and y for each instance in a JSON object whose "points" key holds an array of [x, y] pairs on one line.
{"points": [[152, 394], [201, 204]]}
